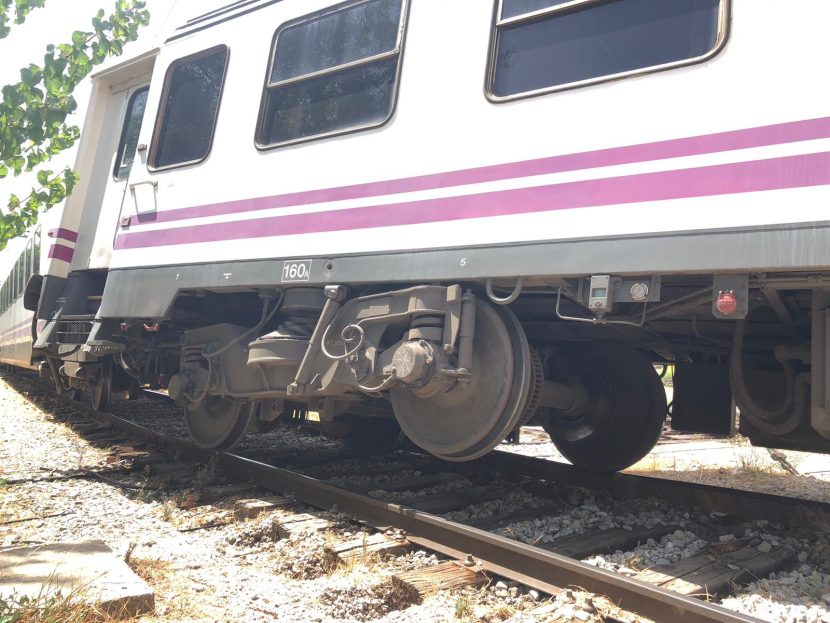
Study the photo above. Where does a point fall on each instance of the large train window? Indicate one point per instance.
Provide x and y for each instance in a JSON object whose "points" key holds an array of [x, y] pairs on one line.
{"points": [[129, 134], [189, 108], [548, 45], [333, 72]]}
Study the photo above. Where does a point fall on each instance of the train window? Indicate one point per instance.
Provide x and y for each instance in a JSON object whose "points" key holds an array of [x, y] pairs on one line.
{"points": [[333, 72], [36, 253], [129, 134], [189, 108], [546, 45]]}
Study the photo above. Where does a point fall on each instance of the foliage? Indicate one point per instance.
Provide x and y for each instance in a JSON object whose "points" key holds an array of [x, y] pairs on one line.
{"points": [[56, 608], [33, 112], [22, 8]]}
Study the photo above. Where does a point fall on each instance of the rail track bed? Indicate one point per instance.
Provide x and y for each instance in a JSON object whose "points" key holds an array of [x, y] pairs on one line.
{"points": [[535, 522]]}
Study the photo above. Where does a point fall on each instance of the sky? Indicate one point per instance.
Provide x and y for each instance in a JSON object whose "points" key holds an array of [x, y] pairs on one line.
{"points": [[55, 23]]}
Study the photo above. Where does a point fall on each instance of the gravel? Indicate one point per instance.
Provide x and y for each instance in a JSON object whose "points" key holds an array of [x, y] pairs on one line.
{"points": [[243, 570]]}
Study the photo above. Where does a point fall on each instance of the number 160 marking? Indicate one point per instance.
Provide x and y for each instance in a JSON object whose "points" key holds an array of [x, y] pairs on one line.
{"points": [[299, 270]]}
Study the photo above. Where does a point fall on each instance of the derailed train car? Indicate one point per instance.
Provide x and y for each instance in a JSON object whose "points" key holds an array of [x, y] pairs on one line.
{"points": [[456, 218]]}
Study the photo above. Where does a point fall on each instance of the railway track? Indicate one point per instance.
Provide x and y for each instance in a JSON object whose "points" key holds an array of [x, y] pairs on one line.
{"points": [[397, 501]]}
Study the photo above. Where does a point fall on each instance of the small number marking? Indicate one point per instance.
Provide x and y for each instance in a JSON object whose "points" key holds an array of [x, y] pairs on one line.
{"points": [[298, 270], [463, 261]]}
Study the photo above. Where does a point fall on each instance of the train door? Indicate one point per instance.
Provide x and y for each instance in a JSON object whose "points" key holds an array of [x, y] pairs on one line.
{"points": [[118, 152]]}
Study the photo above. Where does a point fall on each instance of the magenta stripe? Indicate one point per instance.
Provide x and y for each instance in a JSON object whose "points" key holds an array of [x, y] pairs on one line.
{"points": [[63, 234], [742, 177], [25, 323], [710, 143], [10, 335], [61, 252]]}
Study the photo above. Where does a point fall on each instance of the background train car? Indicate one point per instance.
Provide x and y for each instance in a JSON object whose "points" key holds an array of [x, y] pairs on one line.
{"points": [[17, 324], [460, 217]]}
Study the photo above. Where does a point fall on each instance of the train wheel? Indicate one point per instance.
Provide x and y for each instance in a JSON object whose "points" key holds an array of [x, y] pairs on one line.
{"points": [[217, 422], [472, 418], [101, 388], [624, 413]]}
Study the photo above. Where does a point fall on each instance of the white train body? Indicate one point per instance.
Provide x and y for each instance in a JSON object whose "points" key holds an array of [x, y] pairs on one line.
{"points": [[526, 143]]}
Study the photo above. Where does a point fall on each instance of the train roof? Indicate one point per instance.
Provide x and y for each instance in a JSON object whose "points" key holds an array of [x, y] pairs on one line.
{"points": [[218, 16]]}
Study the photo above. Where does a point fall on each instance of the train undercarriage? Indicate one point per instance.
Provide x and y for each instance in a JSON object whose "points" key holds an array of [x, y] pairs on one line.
{"points": [[455, 368]]}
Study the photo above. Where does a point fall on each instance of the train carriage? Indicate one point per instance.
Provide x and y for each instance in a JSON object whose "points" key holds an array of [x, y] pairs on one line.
{"points": [[455, 218]]}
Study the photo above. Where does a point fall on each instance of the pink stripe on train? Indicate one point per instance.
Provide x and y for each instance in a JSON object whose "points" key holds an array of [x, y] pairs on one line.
{"points": [[763, 136], [726, 179], [63, 234], [61, 252]]}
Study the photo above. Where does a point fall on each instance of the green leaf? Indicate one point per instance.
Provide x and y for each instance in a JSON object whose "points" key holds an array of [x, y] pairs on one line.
{"points": [[43, 177]]}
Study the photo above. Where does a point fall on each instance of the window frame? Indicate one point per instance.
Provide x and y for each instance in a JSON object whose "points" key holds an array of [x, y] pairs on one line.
{"points": [[724, 23], [124, 126], [168, 78], [398, 50]]}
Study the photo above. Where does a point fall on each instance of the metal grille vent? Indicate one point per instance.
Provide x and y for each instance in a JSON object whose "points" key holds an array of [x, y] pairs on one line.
{"points": [[74, 331]]}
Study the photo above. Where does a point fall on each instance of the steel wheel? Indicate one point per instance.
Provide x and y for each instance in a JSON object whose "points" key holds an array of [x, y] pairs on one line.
{"points": [[101, 388], [471, 419], [218, 423], [624, 413]]}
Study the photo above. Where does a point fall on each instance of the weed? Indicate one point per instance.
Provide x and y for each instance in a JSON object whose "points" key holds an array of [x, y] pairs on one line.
{"points": [[128, 555], [167, 511], [206, 474], [750, 464], [3, 483], [502, 612], [463, 607], [143, 494], [54, 608]]}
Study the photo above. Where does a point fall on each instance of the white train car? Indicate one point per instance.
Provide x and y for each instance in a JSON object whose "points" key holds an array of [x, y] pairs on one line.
{"points": [[460, 217], [17, 324]]}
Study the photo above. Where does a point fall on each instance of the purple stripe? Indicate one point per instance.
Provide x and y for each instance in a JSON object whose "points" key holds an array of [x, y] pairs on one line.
{"points": [[61, 252], [63, 234], [25, 323], [18, 333], [742, 177], [711, 143], [20, 329]]}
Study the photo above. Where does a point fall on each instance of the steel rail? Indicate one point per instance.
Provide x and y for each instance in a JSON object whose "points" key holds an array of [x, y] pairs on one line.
{"points": [[529, 565], [790, 511]]}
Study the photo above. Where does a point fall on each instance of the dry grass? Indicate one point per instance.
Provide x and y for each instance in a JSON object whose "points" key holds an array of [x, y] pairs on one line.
{"points": [[150, 570], [53, 608]]}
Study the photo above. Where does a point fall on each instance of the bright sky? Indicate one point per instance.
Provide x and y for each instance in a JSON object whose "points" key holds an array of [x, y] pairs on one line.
{"points": [[55, 23]]}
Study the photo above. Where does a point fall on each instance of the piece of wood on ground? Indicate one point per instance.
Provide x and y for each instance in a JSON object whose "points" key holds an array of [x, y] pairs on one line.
{"points": [[456, 499], [369, 545], [491, 522], [400, 484], [707, 574], [211, 494], [299, 525], [603, 541], [251, 508], [88, 571], [445, 576], [332, 471]]}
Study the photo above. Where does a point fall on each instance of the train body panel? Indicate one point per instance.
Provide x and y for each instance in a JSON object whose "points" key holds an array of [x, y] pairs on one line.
{"points": [[704, 147], [457, 218]]}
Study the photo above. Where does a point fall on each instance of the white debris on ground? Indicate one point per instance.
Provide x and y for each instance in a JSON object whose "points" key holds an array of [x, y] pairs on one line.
{"points": [[592, 515], [800, 596], [671, 548]]}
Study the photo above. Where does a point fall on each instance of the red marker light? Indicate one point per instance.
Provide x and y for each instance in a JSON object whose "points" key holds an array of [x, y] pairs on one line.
{"points": [[726, 303]]}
